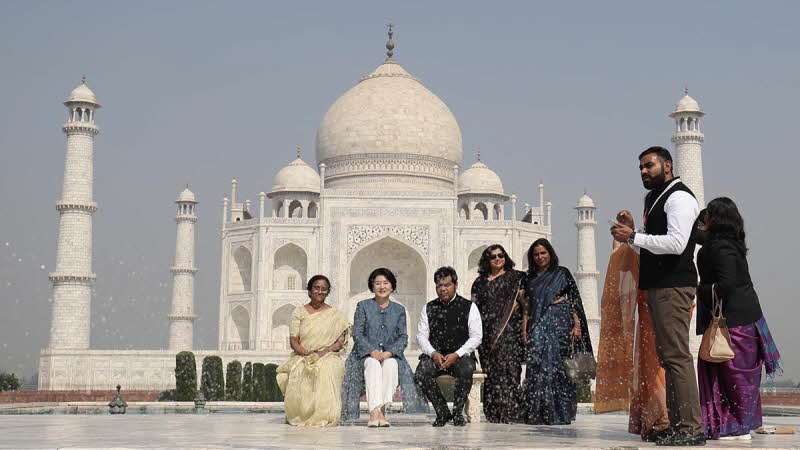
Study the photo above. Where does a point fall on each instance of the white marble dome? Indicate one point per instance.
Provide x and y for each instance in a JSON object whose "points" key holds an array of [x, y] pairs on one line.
{"points": [[186, 196], [585, 202], [480, 179], [296, 177], [83, 94], [687, 103], [389, 125]]}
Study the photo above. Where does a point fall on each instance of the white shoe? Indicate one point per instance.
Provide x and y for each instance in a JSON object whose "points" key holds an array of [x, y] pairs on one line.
{"points": [[740, 437]]}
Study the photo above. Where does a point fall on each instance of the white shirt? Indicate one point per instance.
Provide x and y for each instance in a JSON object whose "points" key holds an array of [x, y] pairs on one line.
{"points": [[682, 210], [474, 325]]}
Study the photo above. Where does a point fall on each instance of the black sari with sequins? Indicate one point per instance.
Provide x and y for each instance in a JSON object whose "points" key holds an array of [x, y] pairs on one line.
{"points": [[503, 401]]}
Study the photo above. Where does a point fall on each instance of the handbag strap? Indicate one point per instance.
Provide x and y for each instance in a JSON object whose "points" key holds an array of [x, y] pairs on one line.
{"points": [[716, 308]]}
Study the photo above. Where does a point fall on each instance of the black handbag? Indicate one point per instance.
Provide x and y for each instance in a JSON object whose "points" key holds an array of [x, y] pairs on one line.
{"points": [[580, 366]]}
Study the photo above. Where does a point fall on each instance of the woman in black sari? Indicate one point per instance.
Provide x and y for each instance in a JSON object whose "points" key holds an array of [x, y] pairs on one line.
{"points": [[557, 325], [499, 296]]}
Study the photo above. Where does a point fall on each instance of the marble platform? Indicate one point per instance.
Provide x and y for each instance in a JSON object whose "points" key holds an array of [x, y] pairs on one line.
{"points": [[267, 430]]}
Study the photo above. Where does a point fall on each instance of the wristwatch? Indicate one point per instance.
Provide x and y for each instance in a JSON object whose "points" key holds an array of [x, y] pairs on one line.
{"points": [[631, 237]]}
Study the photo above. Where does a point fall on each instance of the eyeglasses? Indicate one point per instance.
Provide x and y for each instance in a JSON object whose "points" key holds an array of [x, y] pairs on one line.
{"points": [[498, 256], [319, 289]]}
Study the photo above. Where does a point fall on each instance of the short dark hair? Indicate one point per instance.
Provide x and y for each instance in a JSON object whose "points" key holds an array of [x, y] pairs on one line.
{"points": [[483, 264], [547, 246], [386, 273], [444, 272], [661, 152], [316, 278], [726, 222]]}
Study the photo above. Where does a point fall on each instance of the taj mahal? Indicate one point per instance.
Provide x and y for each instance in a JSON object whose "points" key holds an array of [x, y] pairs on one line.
{"points": [[389, 188]]}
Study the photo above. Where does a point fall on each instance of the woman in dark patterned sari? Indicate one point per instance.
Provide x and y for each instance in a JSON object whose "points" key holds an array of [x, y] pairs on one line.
{"points": [[499, 296], [556, 322]]}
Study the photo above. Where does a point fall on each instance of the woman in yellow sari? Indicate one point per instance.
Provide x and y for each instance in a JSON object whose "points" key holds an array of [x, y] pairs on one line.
{"points": [[311, 379]]}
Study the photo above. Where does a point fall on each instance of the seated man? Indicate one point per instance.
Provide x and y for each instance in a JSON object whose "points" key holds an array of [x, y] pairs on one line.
{"points": [[449, 331]]}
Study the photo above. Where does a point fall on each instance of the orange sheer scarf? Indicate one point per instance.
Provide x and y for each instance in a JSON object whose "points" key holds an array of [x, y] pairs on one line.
{"points": [[629, 376]]}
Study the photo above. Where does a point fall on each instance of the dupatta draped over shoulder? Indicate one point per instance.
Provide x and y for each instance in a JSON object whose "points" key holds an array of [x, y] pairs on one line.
{"points": [[312, 385]]}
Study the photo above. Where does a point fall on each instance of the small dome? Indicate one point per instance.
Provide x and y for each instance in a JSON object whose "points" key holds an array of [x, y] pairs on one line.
{"points": [[186, 196], [83, 94], [585, 202], [687, 103], [296, 177], [480, 179]]}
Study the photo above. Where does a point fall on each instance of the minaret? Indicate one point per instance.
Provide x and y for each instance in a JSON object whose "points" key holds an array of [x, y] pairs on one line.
{"points": [[73, 278], [586, 273], [688, 140], [182, 316]]}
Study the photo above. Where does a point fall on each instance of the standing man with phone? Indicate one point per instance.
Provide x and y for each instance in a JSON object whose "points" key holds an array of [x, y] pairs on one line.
{"points": [[668, 274]]}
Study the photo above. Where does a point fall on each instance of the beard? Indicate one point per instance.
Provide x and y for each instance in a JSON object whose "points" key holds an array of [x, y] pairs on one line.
{"points": [[657, 181]]}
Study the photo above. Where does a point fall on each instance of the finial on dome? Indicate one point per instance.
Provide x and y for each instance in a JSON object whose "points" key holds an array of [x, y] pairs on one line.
{"points": [[187, 185], [298, 151], [686, 90], [478, 154], [390, 43], [83, 79]]}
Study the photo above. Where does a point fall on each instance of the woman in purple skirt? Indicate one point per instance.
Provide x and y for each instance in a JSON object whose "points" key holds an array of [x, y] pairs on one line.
{"points": [[729, 392]]}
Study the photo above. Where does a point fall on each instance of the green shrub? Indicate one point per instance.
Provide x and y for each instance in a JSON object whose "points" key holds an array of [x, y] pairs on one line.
{"points": [[212, 381], [259, 382], [185, 377], [8, 382], [233, 381], [273, 393], [584, 391], [167, 396], [247, 383]]}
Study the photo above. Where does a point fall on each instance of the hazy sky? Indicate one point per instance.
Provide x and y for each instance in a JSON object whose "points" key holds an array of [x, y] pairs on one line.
{"points": [[200, 92]]}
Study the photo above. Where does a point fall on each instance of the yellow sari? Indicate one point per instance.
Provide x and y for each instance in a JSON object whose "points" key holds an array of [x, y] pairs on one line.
{"points": [[312, 385]]}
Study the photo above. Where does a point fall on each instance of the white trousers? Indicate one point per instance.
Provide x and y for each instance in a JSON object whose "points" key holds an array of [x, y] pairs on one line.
{"points": [[380, 380]]}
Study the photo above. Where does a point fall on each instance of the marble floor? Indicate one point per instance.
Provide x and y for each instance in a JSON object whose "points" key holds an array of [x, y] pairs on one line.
{"points": [[269, 431]]}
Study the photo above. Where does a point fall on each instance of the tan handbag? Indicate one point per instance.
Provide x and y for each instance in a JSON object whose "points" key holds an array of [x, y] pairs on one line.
{"points": [[716, 344]]}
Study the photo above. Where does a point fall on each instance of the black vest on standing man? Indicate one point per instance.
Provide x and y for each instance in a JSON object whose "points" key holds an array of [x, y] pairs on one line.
{"points": [[448, 323], [665, 271]]}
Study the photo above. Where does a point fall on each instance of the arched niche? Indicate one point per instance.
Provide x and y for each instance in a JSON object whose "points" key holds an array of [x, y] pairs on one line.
{"points": [[481, 212], [281, 323], [295, 209], [498, 213], [408, 267], [241, 268], [240, 329], [290, 268], [463, 212], [312, 210], [472, 271]]}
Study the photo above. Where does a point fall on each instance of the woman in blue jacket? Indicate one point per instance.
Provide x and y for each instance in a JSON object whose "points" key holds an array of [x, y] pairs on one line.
{"points": [[377, 364]]}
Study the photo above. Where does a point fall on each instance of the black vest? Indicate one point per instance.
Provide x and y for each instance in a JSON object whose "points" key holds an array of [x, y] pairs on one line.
{"points": [[665, 271], [448, 324]]}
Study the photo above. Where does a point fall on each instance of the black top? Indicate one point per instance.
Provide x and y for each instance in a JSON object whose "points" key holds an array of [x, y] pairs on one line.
{"points": [[448, 324], [664, 271], [723, 262]]}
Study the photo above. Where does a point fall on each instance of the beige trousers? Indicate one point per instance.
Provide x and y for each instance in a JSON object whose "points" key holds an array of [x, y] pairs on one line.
{"points": [[671, 312]]}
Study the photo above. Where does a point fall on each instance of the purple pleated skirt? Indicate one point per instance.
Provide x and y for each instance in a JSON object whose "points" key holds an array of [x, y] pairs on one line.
{"points": [[730, 400]]}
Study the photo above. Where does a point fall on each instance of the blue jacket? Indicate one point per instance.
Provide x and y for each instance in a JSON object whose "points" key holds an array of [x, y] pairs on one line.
{"points": [[382, 329]]}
